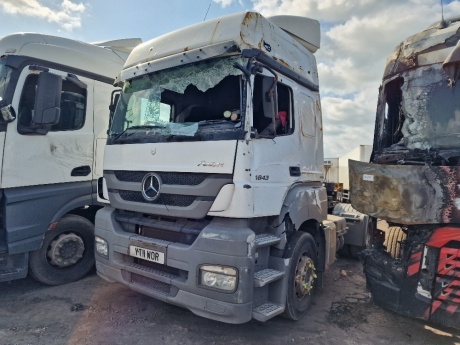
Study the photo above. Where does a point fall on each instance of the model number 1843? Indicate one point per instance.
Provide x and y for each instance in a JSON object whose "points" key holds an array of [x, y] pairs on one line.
{"points": [[262, 177]]}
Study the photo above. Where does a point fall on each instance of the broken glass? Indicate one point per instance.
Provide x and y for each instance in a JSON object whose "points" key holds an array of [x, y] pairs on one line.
{"points": [[177, 101], [426, 114]]}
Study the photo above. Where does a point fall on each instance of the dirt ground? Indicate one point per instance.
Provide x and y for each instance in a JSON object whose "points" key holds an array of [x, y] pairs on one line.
{"points": [[92, 311]]}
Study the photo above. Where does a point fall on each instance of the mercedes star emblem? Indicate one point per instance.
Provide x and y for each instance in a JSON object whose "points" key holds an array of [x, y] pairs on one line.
{"points": [[151, 186]]}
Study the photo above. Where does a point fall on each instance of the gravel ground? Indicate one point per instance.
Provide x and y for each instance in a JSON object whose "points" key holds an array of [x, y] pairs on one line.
{"points": [[92, 311]]}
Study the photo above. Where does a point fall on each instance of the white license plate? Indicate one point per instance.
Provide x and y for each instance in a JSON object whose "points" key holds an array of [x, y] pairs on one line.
{"points": [[147, 254]]}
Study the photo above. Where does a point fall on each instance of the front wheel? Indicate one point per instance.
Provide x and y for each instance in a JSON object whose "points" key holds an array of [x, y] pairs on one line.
{"points": [[302, 279], [67, 253]]}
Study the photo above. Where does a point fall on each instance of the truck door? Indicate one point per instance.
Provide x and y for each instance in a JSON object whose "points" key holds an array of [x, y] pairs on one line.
{"points": [[276, 160], [60, 153]]}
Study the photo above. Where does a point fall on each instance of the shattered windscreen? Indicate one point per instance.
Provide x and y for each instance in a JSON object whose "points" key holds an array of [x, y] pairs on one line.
{"points": [[422, 110], [202, 101]]}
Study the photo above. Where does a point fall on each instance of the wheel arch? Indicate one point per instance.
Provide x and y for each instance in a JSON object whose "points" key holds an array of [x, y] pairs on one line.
{"points": [[82, 206], [306, 207]]}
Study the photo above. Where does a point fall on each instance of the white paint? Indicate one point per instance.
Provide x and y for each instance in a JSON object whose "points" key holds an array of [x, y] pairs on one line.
{"points": [[223, 199], [48, 159], [80, 55], [247, 30], [173, 156], [457, 203], [367, 177]]}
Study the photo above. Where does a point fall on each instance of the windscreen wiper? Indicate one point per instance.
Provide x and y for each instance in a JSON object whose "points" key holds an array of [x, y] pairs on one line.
{"points": [[218, 122], [137, 127]]}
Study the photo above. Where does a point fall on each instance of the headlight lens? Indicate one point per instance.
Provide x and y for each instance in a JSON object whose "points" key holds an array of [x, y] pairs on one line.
{"points": [[219, 277], [102, 247]]}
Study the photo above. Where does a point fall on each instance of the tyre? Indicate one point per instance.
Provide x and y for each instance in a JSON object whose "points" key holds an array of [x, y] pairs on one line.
{"points": [[302, 279], [67, 253], [343, 208], [394, 235]]}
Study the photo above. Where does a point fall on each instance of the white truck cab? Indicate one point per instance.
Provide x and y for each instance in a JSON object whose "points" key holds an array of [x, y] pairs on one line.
{"points": [[54, 97], [213, 167]]}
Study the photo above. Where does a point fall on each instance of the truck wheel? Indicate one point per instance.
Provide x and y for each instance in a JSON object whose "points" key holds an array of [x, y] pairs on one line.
{"points": [[302, 279], [394, 235], [343, 208], [67, 253]]}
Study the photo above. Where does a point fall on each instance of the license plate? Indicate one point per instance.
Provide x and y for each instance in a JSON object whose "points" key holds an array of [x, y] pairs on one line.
{"points": [[147, 254]]}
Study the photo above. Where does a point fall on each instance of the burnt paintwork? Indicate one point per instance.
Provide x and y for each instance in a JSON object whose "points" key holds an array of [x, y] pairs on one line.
{"points": [[424, 283], [406, 194], [413, 180]]}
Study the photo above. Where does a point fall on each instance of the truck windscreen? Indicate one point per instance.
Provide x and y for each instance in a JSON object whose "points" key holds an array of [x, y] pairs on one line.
{"points": [[201, 101]]}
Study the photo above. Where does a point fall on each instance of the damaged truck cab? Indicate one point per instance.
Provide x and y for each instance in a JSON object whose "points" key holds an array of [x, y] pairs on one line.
{"points": [[213, 169], [413, 180]]}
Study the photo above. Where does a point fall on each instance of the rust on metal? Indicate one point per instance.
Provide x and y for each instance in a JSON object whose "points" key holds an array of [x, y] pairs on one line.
{"points": [[284, 63], [248, 17]]}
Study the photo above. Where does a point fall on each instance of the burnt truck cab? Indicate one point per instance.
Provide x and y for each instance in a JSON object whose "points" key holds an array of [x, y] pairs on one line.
{"points": [[413, 179]]}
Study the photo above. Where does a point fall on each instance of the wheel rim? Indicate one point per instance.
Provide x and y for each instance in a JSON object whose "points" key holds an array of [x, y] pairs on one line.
{"points": [[66, 250], [305, 275]]}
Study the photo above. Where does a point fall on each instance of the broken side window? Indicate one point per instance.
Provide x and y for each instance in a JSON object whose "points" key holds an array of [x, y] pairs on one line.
{"points": [[422, 111], [262, 116], [394, 114]]}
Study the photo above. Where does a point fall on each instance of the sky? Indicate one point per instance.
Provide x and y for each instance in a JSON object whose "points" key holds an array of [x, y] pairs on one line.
{"points": [[357, 36]]}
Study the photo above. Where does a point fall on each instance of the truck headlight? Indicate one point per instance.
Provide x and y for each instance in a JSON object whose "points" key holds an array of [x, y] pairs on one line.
{"points": [[102, 247], [219, 277]]}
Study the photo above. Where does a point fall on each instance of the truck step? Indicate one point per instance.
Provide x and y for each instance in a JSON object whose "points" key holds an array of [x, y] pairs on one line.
{"points": [[264, 240], [266, 276], [266, 311]]}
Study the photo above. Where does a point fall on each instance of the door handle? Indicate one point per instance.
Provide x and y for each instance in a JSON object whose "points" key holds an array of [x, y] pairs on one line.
{"points": [[84, 170]]}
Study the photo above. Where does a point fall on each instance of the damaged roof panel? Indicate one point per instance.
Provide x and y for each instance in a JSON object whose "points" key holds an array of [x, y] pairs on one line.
{"points": [[417, 49], [246, 30]]}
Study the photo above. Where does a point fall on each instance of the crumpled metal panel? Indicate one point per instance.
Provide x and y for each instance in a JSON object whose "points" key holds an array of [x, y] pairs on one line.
{"points": [[406, 194], [424, 48]]}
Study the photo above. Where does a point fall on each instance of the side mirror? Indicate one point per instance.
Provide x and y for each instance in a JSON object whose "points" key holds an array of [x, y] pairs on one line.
{"points": [[8, 113], [47, 109], [269, 97], [253, 134], [113, 104], [270, 104], [114, 100]]}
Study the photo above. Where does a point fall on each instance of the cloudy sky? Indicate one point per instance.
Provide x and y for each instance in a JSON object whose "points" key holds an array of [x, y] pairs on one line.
{"points": [[357, 36]]}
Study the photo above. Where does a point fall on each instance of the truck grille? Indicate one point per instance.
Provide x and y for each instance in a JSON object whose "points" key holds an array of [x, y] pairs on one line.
{"points": [[190, 195], [173, 178], [164, 199], [153, 284]]}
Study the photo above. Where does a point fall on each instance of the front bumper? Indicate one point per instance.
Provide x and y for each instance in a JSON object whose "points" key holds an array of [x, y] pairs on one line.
{"points": [[177, 281], [393, 288]]}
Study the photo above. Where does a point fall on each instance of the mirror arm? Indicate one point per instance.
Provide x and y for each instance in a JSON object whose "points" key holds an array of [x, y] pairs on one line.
{"points": [[8, 113], [74, 80]]}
